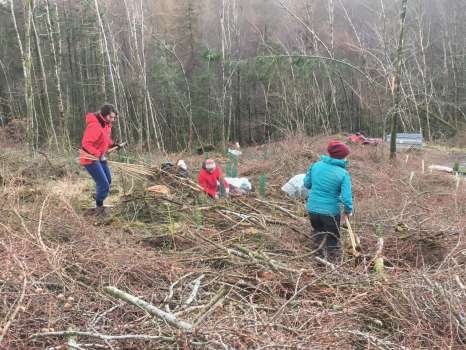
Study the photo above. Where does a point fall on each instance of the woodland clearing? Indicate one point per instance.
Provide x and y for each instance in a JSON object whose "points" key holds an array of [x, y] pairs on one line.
{"points": [[240, 272]]}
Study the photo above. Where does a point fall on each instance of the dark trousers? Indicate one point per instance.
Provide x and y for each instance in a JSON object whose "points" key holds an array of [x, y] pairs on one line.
{"points": [[326, 233], [100, 172]]}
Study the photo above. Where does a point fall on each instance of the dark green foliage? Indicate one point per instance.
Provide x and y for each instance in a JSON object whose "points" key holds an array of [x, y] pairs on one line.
{"points": [[262, 185], [211, 56], [176, 87]]}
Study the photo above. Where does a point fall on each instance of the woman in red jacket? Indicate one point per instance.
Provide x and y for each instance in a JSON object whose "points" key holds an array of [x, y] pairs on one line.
{"points": [[210, 178], [96, 142]]}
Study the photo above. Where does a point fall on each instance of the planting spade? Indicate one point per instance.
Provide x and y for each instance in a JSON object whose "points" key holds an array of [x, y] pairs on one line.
{"points": [[355, 243]]}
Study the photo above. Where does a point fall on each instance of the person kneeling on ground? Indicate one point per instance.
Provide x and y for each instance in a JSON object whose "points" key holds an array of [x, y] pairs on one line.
{"points": [[95, 144], [211, 179], [330, 185]]}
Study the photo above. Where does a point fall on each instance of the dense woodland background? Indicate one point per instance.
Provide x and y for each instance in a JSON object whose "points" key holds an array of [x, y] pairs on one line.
{"points": [[191, 72]]}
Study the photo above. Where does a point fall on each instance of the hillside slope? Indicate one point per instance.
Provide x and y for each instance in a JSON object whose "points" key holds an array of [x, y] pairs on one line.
{"points": [[241, 270]]}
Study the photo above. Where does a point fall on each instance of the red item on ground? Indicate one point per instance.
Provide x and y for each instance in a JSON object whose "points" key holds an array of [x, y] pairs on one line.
{"points": [[209, 181], [372, 142], [97, 137], [338, 150], [362, 140], [355, 138]]}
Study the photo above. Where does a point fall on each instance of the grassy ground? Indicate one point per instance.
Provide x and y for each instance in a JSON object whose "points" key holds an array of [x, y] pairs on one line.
{"points": [[180, 251]]}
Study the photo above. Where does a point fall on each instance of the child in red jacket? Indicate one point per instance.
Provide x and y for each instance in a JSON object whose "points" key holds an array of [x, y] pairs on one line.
{"points": [[210, 178]]}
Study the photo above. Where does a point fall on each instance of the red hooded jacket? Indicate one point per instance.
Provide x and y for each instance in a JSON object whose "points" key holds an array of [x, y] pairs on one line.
{"points": [[97, 137], [208, 181]]}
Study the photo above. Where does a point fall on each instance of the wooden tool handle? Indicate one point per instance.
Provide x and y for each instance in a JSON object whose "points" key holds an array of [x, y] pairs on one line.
{"points": [[353, 239], [113, 149]]}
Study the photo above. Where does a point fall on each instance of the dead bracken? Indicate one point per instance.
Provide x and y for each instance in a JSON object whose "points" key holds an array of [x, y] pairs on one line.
{"points": [[173, 269]]}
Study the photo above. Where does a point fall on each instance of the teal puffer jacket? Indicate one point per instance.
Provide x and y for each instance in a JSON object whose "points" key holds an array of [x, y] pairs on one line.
{"points": [[330, 186]]}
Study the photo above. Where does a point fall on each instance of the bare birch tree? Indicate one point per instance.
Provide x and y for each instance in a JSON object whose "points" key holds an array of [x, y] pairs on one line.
{"points": [[44, 83], [26, 60], [397, 81], [63, 125]]}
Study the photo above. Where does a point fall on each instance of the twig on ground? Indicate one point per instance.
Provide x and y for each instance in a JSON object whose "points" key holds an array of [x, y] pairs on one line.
{"points": [[196, 286], [101, 336], [209, 308], [324, 262], [286, 211], [19, 303], [98, 317], [171, 290], [151, 309], [383, 344]]}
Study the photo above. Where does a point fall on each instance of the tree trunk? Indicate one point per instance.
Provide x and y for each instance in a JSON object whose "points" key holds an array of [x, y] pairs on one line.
{"points": [[397, 81], [44, 82], [26, 60], [107, 54], [63, 127]]}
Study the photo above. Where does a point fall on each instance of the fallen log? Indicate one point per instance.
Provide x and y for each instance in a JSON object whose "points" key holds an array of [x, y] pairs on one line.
{"points": [[103, 337], [151, 309]]}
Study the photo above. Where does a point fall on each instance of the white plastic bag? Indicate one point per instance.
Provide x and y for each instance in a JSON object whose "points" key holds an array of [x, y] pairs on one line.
{"points": [[441, 168], [182, 165], [295, 187], [240, 182], [234, 152]]}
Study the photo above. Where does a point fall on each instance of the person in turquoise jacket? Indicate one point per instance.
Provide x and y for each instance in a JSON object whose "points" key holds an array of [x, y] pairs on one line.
{"points": [[330, 197]]}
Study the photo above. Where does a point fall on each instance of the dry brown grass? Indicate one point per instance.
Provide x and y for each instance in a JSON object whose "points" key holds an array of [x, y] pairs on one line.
{"points": [[149, 243]]}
